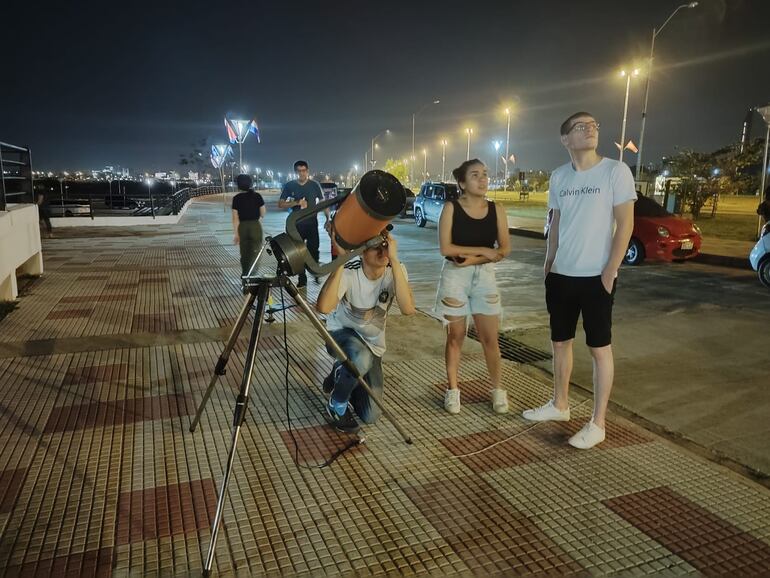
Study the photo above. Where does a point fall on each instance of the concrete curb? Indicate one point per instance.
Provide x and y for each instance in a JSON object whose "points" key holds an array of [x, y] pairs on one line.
{"points": [[526, 233], [724, 261], [706, 258]]}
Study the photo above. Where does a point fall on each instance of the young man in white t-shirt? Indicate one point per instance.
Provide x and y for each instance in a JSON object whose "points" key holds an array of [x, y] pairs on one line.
{"points": [[357, 298], [592, 199]]}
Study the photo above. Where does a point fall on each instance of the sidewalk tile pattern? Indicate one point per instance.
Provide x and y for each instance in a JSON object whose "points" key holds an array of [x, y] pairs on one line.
{"points": [[100, 475]]}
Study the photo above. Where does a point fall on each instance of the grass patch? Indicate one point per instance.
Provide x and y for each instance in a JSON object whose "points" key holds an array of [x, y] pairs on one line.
{"points": [[736, 227]]}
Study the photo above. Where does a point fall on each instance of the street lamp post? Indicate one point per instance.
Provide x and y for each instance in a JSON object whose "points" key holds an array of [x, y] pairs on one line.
{"points": [[152, 204], [378, 135], [414, 117], [443, 158], [497, 145], [507, 145], [424, 165], [628, 76], [469, 131], [655, 32]]}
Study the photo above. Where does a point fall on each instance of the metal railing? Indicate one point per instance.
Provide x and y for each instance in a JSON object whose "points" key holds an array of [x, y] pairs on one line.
{"points": [[16, 184]]}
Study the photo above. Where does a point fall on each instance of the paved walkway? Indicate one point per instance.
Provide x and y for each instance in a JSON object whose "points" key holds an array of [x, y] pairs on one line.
{"points": [[104, 360]]}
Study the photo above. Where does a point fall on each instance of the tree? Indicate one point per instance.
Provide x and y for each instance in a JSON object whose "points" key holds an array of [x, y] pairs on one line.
{"points": [[699, 181], [726, 171], [398, 169], [741, 171]]}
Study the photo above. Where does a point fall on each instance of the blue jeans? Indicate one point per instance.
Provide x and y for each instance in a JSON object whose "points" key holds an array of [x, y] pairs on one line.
{"points": [[346, 386]]}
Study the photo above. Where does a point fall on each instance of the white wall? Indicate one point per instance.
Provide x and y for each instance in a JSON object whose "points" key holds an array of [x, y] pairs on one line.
{"points": [[20, 251]]}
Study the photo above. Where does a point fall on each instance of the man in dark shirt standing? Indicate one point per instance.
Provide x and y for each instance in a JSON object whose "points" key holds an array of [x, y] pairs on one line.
{"points": [[248, 209], [300, 194]]}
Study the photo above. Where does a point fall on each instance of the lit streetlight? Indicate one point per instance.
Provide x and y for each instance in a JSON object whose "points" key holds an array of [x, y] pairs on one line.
{"points": [[507, 144], [152, 204], [469, 132], [655, 32], [414, 116], [443, 157], [628, 76], [497, 144], [386, 131]]}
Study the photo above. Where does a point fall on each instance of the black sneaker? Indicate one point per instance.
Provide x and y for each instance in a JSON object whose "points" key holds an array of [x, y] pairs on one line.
{"points": [[328, 385], [346, 424], [302, 283]]}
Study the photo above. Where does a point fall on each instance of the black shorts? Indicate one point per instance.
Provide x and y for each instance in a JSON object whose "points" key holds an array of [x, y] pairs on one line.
{"points": [[568, 297]]}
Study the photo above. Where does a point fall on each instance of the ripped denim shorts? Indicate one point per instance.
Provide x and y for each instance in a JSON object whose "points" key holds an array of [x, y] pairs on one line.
{"points": [[464, 291]]}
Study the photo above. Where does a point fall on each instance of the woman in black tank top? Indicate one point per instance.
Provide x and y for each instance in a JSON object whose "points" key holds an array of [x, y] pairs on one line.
{"points": [[473, 235]]}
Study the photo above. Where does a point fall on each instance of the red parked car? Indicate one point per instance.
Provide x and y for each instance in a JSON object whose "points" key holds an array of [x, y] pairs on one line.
{"points": [[659, 235]]}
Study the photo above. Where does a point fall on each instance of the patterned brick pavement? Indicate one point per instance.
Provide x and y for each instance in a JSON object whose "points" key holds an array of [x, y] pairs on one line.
{"points": [[103, 362]]}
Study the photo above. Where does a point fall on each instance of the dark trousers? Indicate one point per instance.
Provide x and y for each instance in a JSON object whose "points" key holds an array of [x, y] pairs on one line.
{"points": [[309, 233], [250, 233], [346, 386], [45, 216]]}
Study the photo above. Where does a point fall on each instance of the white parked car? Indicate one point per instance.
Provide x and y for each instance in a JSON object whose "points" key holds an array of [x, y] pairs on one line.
{"points": [[760, 256], [69, 209]]}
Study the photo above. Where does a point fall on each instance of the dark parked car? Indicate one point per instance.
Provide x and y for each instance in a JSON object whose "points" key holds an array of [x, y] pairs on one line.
{"points": [[660, 235], [409, 206], [329, 189], [119, 202], [430, 201]]}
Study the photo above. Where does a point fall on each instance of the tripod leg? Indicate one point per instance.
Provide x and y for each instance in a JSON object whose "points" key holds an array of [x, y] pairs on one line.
{"points": [[241, 406], [220, 370], [324, 333]]}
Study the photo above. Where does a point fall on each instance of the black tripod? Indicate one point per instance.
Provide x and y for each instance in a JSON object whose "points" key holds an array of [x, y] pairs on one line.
{"points": [[259, 290]]}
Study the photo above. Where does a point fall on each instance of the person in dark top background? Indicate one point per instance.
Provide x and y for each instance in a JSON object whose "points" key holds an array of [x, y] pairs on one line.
{"points": [[44, 213], [763, 210], [473, 236], [299, 194], [248, 209]]}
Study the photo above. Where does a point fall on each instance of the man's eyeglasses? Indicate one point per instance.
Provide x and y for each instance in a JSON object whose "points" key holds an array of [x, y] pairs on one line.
{"points": [[584, 126]]}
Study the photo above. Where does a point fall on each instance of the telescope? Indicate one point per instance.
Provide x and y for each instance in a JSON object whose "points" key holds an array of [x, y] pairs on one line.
{"points": [[360, 222]]}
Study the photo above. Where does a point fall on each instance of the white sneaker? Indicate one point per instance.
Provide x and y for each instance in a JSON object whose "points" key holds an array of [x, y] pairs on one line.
{"points": [[546, 412], [499, 400], [452, 400], [590, 435]]}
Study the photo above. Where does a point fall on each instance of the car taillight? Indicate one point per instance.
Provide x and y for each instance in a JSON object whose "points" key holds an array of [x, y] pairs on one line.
{"points": [[663, 232]]}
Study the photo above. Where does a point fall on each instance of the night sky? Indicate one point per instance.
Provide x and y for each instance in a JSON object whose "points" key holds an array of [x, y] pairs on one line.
{"points": [[134, 84]]}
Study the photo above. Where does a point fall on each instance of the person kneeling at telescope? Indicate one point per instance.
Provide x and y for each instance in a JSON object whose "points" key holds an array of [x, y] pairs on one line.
{"points": [[356, 299]]}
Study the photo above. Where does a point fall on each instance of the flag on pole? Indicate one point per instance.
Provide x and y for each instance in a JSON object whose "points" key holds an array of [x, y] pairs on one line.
{"points": [[232, 135], [254, 129], [629, 147], [219, 153]]}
